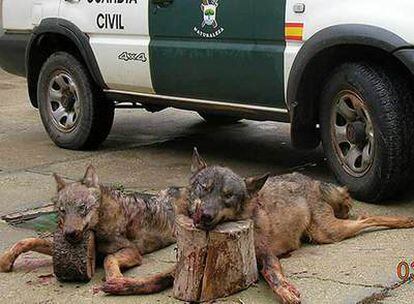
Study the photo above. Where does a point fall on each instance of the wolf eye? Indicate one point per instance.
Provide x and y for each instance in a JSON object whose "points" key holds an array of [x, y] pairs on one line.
{"points": [[82, 208], [203, 187], [228, 195]]}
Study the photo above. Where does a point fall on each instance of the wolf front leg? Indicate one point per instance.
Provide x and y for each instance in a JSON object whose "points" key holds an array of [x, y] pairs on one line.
{"points": [[271, 271], [134, 286], [32, 244], [117, 284]]}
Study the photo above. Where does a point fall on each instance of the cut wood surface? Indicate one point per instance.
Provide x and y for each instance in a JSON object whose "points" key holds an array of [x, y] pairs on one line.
{"points": [[74, 262], [214, 264]]}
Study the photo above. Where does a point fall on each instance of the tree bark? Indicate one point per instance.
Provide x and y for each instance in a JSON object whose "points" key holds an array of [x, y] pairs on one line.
{"points": [[214, 264]]}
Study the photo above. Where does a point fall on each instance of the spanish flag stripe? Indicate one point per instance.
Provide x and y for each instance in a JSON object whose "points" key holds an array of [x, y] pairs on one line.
{"points": [[294, 38], [292, 24], [294, 31]]}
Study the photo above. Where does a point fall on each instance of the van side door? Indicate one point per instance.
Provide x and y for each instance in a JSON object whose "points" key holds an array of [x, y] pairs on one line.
{"points": [[222, 50]]}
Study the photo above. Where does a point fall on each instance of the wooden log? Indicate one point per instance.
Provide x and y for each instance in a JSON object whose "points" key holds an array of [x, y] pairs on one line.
{"points": [[231, 260], [74, 262], [191, 256], [214, 264]]}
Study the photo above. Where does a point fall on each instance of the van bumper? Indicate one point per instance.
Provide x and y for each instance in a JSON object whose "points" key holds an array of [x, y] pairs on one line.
{"points": [[13, 51], [406, 56]]}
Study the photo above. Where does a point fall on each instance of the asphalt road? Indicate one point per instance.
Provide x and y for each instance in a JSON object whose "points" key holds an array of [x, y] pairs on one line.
{"points": [[149, 152]]}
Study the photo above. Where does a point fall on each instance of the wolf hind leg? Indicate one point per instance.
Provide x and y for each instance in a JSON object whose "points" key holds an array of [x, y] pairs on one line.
{"points": [[31, 244], [338, 198], [336, 230]]}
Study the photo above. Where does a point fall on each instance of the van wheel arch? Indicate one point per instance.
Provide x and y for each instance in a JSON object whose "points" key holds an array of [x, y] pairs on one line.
{"points": [[54, 35], [323, 53]]}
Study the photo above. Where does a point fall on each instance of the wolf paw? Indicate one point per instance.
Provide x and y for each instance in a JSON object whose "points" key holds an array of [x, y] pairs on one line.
{"points": [[406, 222], [6, 264], [288, 294], [119, 286]]}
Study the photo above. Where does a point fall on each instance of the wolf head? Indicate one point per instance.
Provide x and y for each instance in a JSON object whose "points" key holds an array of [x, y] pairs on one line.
{"points": [[77, 205], [217, 194]]}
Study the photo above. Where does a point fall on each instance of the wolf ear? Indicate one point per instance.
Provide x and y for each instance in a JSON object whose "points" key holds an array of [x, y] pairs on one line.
{"points": [[255, 184], [59, 182], [91, 178], [198, 163]]}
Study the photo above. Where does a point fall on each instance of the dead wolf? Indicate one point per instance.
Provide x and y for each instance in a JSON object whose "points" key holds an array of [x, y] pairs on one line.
{"points": [[285, 210], [126, 226]]}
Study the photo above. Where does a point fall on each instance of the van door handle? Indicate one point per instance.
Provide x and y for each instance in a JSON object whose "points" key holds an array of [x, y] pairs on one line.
{"points": [[162, 3], [72, 1]]}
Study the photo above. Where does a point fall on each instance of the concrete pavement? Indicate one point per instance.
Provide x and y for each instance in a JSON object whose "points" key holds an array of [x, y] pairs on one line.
{"points": [[148, 152]]}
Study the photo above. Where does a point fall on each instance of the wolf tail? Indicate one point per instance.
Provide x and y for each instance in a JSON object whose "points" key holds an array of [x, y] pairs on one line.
{"points": [[338, 198], [133, 286]]}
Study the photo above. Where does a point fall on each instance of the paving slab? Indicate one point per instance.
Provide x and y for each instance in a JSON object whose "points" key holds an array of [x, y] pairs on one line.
{"points": [[23, 190], [402, 295]]}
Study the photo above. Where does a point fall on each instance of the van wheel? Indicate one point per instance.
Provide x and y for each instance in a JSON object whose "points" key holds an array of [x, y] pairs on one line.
{"points": [[366, 120], [218, 119], [75, 115]]}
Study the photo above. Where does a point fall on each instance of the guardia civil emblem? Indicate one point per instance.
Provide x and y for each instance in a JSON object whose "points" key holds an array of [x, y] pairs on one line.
{"points": [[209, 25], [209, 9]]}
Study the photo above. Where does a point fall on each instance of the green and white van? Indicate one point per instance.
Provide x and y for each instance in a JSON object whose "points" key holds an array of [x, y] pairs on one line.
{"points": [[339, 71]]}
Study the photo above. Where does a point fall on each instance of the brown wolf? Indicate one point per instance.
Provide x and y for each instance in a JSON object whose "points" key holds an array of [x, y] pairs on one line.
{"points": [[285, 209], [126, 227]]}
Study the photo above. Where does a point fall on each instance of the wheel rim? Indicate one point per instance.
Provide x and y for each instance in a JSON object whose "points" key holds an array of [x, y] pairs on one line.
{"points": [[62, 101], [352, 133]]}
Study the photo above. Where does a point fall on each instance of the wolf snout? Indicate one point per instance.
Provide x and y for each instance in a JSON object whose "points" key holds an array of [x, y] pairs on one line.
{"points": [[207, 218], [72, 235], [204, 221]]}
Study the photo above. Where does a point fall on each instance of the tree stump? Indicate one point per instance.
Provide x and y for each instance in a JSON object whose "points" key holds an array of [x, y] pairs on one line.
{"points": [[214, 264], [74, 262]]}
